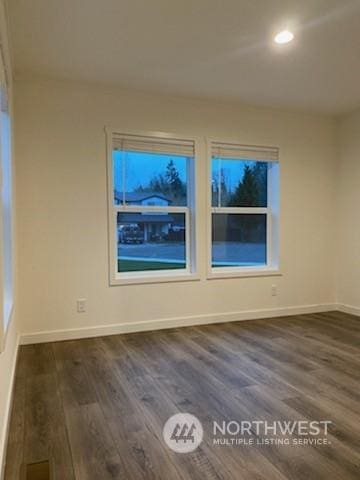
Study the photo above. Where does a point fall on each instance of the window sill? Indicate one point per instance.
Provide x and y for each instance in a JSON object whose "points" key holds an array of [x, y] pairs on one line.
{"points": [[243, 273], [142, 279]]}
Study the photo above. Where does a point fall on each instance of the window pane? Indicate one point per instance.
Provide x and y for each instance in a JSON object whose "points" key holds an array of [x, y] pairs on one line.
{"points": [[238, 240], [117, 176], [239, 183], [151, 241], [6, 200], [150, 178]]}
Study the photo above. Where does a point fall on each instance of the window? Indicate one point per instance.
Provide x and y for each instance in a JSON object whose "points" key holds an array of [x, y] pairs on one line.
{"points": [[6, 275], [244, 209], [151, 210]]}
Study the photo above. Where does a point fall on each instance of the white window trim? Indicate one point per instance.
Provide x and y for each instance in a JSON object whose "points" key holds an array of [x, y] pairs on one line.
{"points": [[192, 251], [6, 304], [272, 268]]}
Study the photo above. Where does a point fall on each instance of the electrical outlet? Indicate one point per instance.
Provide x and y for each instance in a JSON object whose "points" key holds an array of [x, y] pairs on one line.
{"points": [[81, 305], [274, 290]]}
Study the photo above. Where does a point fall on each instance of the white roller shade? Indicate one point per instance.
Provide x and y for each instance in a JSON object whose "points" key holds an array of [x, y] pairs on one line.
{"points": [[165, 146], [244, 152]]}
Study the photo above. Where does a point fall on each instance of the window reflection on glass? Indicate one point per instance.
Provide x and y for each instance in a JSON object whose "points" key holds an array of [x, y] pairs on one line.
{"points": [[238, 240]]}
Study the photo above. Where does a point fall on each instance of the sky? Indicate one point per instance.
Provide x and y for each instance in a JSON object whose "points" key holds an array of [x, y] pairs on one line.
{"points": [[141, 167]]}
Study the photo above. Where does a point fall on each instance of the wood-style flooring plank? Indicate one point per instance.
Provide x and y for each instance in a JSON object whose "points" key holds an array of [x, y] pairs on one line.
{"points": [[95, 408], [45, 434], [94, 454]]}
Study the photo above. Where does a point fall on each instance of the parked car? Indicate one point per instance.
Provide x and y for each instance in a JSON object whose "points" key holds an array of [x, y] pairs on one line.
{"points": [[130, 234]]}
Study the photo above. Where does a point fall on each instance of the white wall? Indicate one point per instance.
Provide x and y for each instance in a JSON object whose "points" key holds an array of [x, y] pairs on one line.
{"points": [[348, 200], [62, 206]]}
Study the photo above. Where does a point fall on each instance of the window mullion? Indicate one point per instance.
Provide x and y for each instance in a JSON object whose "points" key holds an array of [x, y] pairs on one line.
{"points": [[149, 208], [269, 239], [123, 173], [187, 240], [241, 210]]}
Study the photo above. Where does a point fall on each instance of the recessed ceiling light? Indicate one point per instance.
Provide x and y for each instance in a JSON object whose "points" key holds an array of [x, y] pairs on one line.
{"points": [[284, 37]]}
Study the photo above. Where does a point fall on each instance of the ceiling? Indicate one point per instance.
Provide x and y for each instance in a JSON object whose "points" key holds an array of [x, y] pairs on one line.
{"points": [[218, 49]]}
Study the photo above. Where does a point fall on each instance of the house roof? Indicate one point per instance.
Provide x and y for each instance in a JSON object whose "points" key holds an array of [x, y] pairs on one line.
{"points": [[139, 196]]}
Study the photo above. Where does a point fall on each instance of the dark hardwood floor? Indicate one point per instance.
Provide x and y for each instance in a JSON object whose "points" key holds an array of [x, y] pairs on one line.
{"points": [[95, 408]]}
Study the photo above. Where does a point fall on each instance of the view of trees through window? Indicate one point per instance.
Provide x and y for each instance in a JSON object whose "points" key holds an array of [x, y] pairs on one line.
{"points": [[149, 239], [137, 172], [237, 183], [153, 181], [238, 239], [168, 183]]}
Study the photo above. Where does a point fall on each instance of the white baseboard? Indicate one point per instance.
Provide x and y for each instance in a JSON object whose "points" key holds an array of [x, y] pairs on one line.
{"points": [[348, 309], [8, 406], [98, 331]]}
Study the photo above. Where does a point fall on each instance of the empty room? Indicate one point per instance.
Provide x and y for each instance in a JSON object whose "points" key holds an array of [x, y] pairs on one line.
{"points": [[179, 240]]}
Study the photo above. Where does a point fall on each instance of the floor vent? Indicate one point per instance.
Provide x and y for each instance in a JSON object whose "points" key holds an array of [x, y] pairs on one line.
{"points": [[38, 471]]}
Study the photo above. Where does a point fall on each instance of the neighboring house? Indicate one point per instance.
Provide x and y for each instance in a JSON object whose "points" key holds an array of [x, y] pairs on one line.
{"points": [[155, 226], [143, 198]]}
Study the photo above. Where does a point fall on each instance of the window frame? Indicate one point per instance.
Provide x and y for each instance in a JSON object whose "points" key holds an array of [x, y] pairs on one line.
{"points": [[6, 116], [190, 273], [272, 267]]}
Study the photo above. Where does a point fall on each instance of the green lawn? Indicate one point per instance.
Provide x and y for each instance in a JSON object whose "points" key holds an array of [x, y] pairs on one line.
{"points": [[138, 265]]}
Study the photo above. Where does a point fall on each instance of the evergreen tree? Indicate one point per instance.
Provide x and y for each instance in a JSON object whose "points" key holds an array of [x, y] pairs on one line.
{"points": [[260, 171], [173, 180], [247, 191], [168, 184], [158, 184]]}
